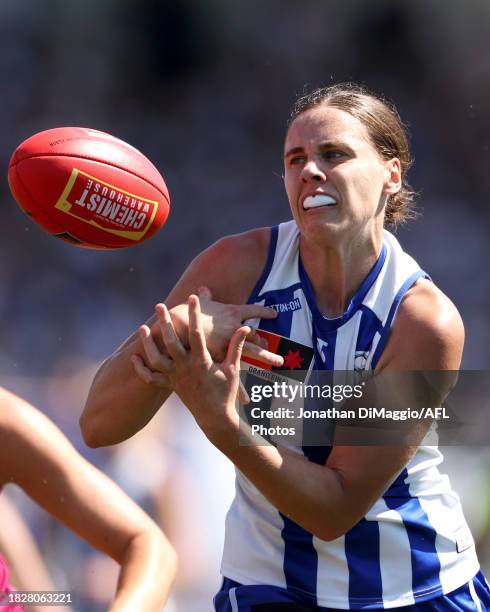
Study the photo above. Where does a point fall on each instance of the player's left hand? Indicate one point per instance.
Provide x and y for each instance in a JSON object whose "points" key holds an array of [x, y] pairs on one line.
{"points": [[206, 387]]}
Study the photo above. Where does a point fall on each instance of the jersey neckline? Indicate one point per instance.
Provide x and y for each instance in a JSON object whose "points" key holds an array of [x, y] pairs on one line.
{"points": [[330, 324]]}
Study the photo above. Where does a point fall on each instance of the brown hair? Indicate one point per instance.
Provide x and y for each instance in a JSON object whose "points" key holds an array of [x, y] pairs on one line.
{"points": [[385, 129]]}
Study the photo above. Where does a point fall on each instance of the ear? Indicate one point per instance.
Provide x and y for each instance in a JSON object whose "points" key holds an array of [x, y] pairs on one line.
{"points": [[392, 176]]}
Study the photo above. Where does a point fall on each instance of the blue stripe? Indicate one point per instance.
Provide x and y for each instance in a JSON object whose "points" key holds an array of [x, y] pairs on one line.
{"points": [[300, 556], [362, 550], [281, 324], [300, 559], [421, 536], [370, 324], [394, 307], [249, 596], [268, 265], [221, 600], [459, 599]]}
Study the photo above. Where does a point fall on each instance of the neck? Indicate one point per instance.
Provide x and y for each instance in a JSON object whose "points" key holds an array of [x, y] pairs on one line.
{"points": [[337, 271]]}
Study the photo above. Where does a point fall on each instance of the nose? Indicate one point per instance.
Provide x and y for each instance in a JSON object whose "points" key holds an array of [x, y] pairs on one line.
{"points": [[311, 172]]}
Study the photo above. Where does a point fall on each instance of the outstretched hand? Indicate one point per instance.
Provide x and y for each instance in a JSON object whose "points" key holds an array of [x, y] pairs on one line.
{"points": [[208, 388], [220, 321]]}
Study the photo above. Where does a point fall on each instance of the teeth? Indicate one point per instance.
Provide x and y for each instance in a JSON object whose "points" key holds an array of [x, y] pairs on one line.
{"points": [[315, 201]]}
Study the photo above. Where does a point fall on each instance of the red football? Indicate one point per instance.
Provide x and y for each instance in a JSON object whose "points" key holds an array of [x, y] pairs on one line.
{"points": [[88, 188]]}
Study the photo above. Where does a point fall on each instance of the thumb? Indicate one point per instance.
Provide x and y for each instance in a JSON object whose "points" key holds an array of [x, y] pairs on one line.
{"points": [[235, 348], [204, 294]]}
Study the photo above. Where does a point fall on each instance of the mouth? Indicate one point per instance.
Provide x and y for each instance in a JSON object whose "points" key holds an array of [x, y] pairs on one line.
{"points": [[318, 200]]}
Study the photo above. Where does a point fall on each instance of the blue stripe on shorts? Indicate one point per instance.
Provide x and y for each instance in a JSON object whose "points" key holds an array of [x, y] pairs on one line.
{"points": [[234, 597]]}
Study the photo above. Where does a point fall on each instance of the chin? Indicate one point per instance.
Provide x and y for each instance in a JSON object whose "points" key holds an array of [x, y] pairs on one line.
{"points": [[332, 231]]}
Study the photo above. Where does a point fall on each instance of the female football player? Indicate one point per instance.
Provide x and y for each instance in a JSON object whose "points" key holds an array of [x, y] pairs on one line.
{"points": [[337, 527]]}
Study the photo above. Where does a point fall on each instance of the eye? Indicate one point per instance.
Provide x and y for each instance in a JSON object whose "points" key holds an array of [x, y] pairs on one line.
{"points": [[333, 154], [297, 160]]}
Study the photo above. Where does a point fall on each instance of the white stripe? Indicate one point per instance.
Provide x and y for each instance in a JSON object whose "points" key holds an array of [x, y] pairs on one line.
{"points": [[474, 596], [446, 517], [284, 271], [345, 343], [301, 320], [233, 601], [374, 346], [332, 573], [397, 268]]}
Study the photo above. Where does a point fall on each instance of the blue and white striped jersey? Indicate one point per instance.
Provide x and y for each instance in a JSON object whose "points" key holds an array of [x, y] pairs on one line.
{"points": [[413, 544]]}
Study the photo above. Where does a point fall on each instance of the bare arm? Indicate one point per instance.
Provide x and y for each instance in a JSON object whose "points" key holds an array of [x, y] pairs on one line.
{"points": [[119, 404], [37, 457], [326, 500]]}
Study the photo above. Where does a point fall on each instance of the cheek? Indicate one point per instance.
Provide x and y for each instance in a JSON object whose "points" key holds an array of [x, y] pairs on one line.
{"points": [[290, 185], [367, 183]]}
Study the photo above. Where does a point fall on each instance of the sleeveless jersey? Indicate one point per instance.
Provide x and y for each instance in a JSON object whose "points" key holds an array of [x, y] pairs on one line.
{"points": [[5, 589], [413, 544], [4, 574]]}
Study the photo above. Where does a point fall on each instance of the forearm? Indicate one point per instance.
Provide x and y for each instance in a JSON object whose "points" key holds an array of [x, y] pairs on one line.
{"points": [[312, 495], [119, 404], [147, 570]]}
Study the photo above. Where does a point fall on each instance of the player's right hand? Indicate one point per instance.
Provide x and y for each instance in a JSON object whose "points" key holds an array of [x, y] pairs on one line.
{"points": [[220, 321]]}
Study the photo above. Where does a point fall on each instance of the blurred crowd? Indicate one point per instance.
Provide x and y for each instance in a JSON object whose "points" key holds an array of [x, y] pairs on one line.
{"points": [[204, 89]]}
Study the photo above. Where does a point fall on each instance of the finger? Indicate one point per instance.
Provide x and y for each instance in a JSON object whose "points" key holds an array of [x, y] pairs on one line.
{"points": [[197, 340], [235, 347], [141, 370], [243, 396], [255, 338], [172, 342], [254, 311], [204, 294], [256, 352], [149, 376], [156, 359]]}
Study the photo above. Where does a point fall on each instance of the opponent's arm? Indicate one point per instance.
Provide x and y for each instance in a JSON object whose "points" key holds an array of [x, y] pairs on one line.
{"points": [[25, 561], [326, 500], [36, 456], [119, 403]]}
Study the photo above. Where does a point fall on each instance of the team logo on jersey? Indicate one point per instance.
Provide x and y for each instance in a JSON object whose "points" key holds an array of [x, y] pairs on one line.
{"points": [[322, 349], [360, 360]]}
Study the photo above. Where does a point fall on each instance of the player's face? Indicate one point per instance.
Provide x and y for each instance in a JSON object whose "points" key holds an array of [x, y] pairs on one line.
{"points": [[336, 181]]}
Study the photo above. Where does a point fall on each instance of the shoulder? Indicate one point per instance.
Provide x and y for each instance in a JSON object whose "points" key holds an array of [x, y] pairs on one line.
{"points": [[230, 268], [253, 243], [427, 333], [26, 435], [20, 421]]}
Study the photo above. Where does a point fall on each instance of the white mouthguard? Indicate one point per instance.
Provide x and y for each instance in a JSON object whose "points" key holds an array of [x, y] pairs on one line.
{"points": [[315, 201]]}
